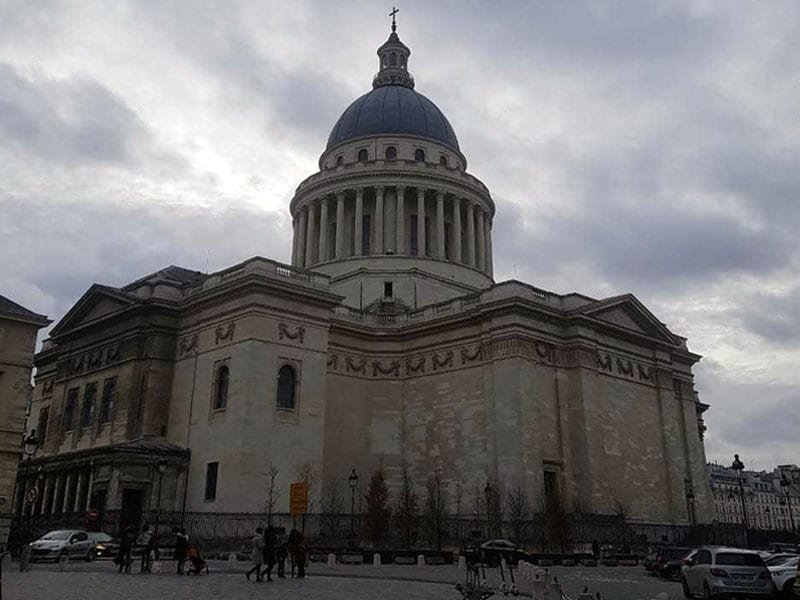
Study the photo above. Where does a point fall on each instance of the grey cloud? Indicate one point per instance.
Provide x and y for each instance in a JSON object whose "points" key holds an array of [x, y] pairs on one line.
{"points": [[774, 317], [68, 121]]}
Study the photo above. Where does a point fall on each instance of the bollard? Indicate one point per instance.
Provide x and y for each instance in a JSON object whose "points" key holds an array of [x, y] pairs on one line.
{"points": [[232, 557], [63, 561], [462, 563], [331, 560], [421, 560], [376, 560]]}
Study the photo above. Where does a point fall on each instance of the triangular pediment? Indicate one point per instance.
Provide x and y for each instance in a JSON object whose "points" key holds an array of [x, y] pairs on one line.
{"points": [[628, 313], [98, 302]]}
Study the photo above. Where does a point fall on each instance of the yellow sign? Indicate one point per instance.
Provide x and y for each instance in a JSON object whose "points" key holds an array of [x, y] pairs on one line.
{"points": [[298, 498]]}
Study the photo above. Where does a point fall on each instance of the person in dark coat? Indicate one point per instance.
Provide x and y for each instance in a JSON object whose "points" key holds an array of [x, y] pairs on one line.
{"points": [[297, 552], [280, 557], [127, 540], [181, 548], [596, 549], [269, 552]]}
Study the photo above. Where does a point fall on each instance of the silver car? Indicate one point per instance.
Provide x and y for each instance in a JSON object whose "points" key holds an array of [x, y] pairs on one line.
{"points": [[784, 575], [717, 572], [63, 543]]}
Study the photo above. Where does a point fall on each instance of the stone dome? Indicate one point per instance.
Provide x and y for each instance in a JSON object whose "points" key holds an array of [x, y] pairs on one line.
{"points": [[393, 109]]}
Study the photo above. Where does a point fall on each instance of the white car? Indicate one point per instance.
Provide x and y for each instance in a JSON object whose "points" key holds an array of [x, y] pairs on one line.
{"points": [[783, 576], [63, 543], [715, 572]]}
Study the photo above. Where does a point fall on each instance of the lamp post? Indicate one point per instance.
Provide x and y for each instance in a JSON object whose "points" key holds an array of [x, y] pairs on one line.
{"points": [[785, 483], [353, 481], [29, 446], [738, 466], [162, 468]]}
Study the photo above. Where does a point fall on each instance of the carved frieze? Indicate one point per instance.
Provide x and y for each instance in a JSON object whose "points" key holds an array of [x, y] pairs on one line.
{"points": [[625, 367], [298, 334], [356, 367], [112, 353], [468, 356], [604, 362], [47, 387], [189, 343], [393, 368], [442, 360], [76, 365], [224, 332], [333, 362], [415, 365], [645, 372]]}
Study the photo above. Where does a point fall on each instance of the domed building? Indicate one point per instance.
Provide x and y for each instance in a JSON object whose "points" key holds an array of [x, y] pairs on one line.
{"points": [[386, 344]]}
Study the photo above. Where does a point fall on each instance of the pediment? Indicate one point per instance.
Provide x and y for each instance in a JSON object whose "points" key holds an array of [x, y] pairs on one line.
{"points": [[97, 303], [628, 313]]}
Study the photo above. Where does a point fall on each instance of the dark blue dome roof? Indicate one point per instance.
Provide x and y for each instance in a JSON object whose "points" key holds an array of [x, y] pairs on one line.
{"points": [[393, 109]]}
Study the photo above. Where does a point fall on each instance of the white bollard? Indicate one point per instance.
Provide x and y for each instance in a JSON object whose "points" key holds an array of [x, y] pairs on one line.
{"points": [[376, 560], [331, 560], [63, 561], [462, 563], [232, 557], [421, 560]]}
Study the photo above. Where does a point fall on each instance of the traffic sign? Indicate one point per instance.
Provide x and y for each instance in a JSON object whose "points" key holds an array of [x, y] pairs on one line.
{"points": [[32, 494], [92, 514], [298, 498]]}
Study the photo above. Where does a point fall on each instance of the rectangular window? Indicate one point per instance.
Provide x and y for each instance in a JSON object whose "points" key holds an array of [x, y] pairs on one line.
{"points": [[87, 410], [69, 409], [413, 227], [41, 426], [107, 404], [366, 231], [387, 289], [212, 469]]}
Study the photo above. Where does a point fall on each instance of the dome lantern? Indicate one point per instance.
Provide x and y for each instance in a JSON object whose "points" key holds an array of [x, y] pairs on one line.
{"points": [[393, 61]]}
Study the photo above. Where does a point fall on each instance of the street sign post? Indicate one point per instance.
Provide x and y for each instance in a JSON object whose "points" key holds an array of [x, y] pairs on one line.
{"points": [[298, 498]]}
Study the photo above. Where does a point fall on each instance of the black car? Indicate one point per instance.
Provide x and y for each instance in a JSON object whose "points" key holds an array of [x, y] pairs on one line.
{"points": [[492, 551], [670, 561], [104, 544]]}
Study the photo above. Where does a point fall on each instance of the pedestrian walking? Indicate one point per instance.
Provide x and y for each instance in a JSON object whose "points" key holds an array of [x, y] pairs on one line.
{"points": [[280, 556], [596, 549], [181, 548], [257, 554], [151, 549], [269, 552], [297, 553], [143, 542], [123, 558]]}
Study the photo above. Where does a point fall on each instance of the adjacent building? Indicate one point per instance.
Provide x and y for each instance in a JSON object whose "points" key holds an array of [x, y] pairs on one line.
{"points": [[386, 343], [771, 499], [18, 329]]}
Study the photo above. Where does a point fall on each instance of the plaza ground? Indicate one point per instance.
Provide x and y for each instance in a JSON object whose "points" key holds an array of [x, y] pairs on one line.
{"points": [[99, 580]]}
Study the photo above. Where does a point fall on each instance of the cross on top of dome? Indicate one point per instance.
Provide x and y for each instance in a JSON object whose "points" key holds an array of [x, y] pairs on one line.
{"points": [[393, 60]]}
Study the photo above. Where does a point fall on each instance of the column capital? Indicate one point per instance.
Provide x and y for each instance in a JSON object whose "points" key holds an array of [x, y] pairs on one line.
{"points": [[440, 195], [340, 196], [323, 199], [359, 192], [400, 190], [379, 189]]}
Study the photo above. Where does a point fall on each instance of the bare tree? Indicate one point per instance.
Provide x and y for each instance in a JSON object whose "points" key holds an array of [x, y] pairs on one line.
{"points": [[459, 502], [332, 506], [435, 508], [519, 511], [377, 507], [407, 509], [478, 506], [272, 492]]}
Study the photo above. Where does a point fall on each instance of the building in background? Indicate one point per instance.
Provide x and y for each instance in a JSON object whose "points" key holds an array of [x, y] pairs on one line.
{"points": [[18, 329], [386, 343], [771, 498]]}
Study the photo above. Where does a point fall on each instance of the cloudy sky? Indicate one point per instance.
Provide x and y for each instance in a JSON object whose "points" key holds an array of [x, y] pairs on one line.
{"points": [[645, 147]]}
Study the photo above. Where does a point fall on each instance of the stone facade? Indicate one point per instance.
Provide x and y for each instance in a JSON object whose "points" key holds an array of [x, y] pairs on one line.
{"points": [[18, 330], [386, 343]]}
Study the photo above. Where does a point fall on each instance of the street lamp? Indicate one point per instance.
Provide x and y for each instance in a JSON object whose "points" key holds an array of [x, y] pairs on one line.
{"points": [[785, 483], [738, 466], [353, 481], [162, 468], [29, 446]]}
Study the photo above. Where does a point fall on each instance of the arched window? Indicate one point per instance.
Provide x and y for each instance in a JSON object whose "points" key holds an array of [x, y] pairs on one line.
{"points": [[287, 382], [339, 160], [362, 155], [443, 160], [419, 155], [391, 153], [221, 388], [393, 59]]}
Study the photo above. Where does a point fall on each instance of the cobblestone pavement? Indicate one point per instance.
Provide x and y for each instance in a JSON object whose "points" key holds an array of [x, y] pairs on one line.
{"points": [[100, 580]]}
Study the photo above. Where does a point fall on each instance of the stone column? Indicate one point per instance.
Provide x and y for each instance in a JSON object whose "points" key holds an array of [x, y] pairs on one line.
{"points": [[379, 220], [400, 212], [311, 240], [76, 503], [481, 252], [48, 483], [420, 222], [358, 234], [340, 225], [470, 234], [489, 254], [301, 239], [294, 242], [323, 231], [457, 229], [440, 252], [57, 499], [65, 505], [89, 485]]}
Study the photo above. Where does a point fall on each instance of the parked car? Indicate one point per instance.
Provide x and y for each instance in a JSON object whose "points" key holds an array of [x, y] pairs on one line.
{"points": [[667, 554], [784, 576], [773, 560], [63, 543], [673, 568], [494, 550], [104, 544], [783, 547], [719, 571]]}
